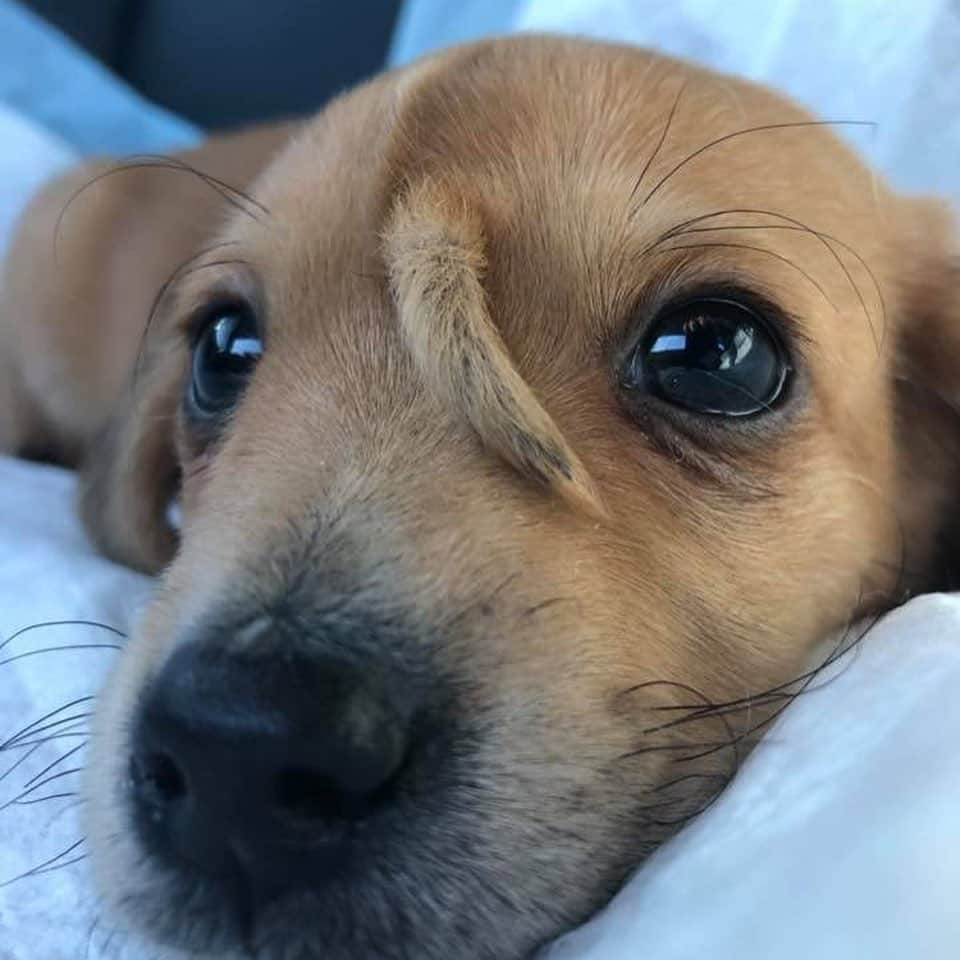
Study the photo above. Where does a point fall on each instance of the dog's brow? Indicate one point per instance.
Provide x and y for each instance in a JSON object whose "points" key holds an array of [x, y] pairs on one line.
{"points": [[436, 265]]}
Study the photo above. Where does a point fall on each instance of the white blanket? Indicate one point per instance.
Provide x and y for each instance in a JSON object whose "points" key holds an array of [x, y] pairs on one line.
{"points": [[839, 840]]}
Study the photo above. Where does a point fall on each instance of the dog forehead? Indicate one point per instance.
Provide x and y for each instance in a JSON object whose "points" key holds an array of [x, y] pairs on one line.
{"points": [[565, 147], [576, 157]]}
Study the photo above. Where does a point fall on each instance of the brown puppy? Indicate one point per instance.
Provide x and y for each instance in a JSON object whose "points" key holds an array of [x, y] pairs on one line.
{"points": [[535, 399]]}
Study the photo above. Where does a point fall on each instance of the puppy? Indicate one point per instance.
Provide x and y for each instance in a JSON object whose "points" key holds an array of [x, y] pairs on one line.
{"points": [[534, 413]]}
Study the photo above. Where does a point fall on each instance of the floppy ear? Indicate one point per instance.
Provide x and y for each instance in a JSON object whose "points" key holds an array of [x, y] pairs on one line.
{"points": [[928, 388], [434, 247], [91, 254], [88, 258], [130, 474]]}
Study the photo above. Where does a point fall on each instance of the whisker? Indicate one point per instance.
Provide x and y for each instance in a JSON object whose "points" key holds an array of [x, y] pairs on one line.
{"points": [[39, 786], [746, 246], [644, 685], [47, 624], [53, 776], [50, 726], [69, 733], [184, 269], [545, 605], [90, 935], [59, 866], [21, 760], [687, 777], [229, 194], [62, 649], [804, 688], [63, 811], [32, 726], [707, 705], [839, 650], [480, 603], [770, 127], [708, 750], [663, 136], [791, 223], [30, 803], [43, 867], [686, 818], [228, 190], [56, 763], [674, 747]]}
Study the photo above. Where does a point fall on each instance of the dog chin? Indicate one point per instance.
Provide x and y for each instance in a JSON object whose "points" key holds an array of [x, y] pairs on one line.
{"points": [[335, 924]]}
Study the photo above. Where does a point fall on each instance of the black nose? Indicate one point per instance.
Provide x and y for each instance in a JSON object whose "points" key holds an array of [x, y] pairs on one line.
{"points": [[257, 767]]}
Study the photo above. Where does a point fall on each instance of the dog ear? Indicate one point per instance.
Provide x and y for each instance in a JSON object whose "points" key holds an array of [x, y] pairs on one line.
{"points": [[130, 473], [927, 376], [434, 247]]}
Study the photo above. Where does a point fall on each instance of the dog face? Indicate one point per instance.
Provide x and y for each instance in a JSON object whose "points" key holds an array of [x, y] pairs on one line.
{"points": [[538, 415]]}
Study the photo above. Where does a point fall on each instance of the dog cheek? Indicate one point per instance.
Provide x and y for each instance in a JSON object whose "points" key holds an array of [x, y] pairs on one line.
{"points": [[195, 477]]}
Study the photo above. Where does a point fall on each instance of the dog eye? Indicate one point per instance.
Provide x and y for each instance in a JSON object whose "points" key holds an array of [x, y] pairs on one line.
{"points": [[712, 356], [224, 355]]}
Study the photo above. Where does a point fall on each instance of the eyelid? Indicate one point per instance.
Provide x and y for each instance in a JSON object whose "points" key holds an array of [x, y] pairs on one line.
{"points": [[743, 290]]}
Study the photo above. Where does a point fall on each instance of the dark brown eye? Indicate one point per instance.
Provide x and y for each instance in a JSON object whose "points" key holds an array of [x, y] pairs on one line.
{"points": [[224, 356], [712, 356]]}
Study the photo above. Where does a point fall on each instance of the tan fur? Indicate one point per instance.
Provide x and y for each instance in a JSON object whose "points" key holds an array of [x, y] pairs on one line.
{"points": [[436, 262], [503, 206]]}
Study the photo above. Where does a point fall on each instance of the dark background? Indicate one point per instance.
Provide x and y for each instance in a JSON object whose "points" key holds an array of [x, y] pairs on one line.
{"points": [[225, 63]]}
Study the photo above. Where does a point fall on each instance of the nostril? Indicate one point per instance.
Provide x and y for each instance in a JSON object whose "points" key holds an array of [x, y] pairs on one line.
{"points": [[158, 778]]}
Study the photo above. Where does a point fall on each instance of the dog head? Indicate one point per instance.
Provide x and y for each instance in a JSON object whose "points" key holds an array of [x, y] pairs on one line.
{"points": [[543, 409]]}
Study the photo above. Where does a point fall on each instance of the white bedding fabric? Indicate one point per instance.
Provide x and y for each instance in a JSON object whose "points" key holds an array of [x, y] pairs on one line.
{"points": [[839, 840]]}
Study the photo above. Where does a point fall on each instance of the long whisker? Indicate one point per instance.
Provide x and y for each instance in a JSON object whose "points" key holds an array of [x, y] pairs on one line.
{"points": [[791, 223], [47, 864], [68, 733], [63, 811], [233, 195], [47, 716], [840, 649], [707, 746], [20, 761], [182, 270], [229, 194], [16, 742], [56, 763], [755, 249], [663, 136], [747, 132], [769, 720], [62, 649], [30, 803], [686, 778], [39, 786], [47, 624], [707, 705]]}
